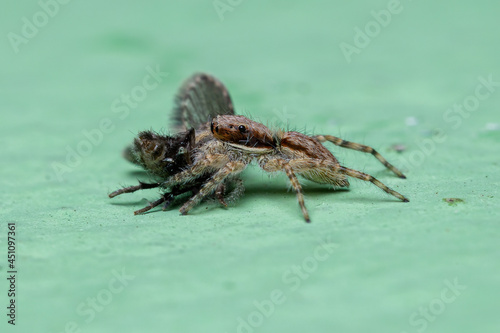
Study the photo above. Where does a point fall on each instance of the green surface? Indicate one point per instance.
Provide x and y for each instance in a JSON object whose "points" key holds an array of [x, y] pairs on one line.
{"points": [[366, 263]]}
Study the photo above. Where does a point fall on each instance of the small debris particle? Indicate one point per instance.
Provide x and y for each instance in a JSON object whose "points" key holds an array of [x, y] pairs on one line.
{"points": [[453, 201], [399, 148]]}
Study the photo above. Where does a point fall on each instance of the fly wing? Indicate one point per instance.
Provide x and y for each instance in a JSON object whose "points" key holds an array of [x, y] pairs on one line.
{"points": [[201, 98]]}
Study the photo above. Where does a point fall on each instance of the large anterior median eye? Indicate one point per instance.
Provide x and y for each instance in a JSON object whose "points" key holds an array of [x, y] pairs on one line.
{"points": [[242, 129]]}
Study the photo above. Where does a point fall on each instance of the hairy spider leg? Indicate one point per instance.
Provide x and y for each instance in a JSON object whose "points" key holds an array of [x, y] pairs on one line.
{"points": [[333, 170], [359, 147], [219, 194], [274, 165], [237, 192], [373, 180], [298, 189], [231, 168]]}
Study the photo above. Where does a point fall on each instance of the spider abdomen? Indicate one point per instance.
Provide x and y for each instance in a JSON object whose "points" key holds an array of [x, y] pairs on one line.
{"points": [[298, 145]]}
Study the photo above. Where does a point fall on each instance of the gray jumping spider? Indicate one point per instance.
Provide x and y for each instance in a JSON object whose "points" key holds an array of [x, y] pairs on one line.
{"points": [[224, 144], [239, 140]]}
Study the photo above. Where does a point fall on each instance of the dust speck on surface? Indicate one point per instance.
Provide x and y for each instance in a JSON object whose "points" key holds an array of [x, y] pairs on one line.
{"points": [[399, 148], [453, 201]]}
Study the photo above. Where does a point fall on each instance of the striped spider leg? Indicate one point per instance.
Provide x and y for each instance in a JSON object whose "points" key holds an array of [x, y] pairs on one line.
{"points": [[359, 147]]}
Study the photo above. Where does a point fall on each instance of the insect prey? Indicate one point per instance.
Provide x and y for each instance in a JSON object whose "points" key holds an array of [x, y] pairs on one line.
{"points": [[200, 98]]}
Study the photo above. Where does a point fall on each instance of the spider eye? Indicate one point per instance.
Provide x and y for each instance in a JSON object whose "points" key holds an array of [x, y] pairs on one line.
{"points": [[242, 129]]}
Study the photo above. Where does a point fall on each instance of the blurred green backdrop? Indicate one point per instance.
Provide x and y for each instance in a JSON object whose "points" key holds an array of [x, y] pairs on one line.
{"points": [[417, 76]]}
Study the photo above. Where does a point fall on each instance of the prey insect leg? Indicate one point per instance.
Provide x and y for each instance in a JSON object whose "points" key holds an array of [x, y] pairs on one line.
{"points": [[167, 197], [131, 189], [359, 147]]}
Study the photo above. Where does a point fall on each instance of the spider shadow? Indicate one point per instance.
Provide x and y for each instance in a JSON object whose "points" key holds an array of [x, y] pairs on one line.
{"points": [[315, 190], [278, 189]]}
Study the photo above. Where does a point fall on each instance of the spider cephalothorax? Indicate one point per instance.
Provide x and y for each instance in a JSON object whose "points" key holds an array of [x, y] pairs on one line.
{"points": [[243, 132]]}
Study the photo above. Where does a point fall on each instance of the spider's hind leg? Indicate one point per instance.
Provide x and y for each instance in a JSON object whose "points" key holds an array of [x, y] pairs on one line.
{"points": [[359, 147], [373, 180]]}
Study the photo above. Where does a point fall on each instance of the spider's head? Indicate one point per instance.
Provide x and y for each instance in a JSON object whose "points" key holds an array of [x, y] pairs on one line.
{"points": [[239, 131]]}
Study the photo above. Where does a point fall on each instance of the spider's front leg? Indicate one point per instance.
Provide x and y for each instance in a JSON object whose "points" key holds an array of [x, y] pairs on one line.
{"points": [[231, 168], [278, 164], [359, 147], [204, 165]]}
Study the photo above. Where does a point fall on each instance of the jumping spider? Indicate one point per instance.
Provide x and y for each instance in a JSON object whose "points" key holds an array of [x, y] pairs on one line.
{"points": [[239, 141], [215, 145], [201, 98]]}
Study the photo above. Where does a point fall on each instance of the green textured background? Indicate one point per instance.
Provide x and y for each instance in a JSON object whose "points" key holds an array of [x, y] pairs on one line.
{"points": [[389, 262]]}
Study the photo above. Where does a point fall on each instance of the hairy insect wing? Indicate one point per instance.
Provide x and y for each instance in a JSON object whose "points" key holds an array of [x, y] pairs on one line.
{"points": [[201, 98]]}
